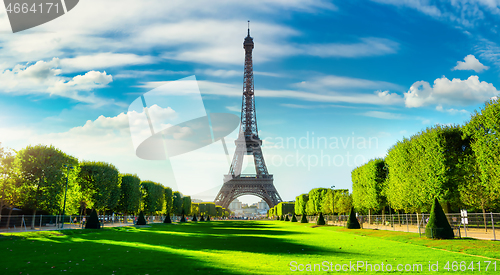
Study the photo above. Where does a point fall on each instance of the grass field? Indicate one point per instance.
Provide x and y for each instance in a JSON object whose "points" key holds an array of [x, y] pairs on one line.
{"points": [[235, 247]]}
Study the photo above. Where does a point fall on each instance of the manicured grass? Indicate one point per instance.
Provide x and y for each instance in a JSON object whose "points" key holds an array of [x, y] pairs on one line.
{"points": [[229, 247]]}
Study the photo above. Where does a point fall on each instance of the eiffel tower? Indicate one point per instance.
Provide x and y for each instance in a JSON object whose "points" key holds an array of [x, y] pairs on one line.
{"points": [[248, 143]]}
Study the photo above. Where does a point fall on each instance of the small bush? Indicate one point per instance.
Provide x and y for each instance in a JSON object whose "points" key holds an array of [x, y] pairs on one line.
{"points": [[183, 219], [438, 226], [321, 220], [294, 219], [352, 222], [141, 220], [93, 222], [286, 218], [278, 218], [167, 219], [304, 219], [194, 218], [202, 219], [208, 218]]}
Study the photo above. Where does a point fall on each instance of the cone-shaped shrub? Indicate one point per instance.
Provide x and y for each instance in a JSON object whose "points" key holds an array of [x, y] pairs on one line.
{"points": [[294, 219], [93, 222], [352, 222], [208, 218], [303, 219], [167, 219], [194, 218], [321, 219], [141, 220], [183, 219], [282, 218], [278, 218], [286, 218], [438, 226], [202, 219]]}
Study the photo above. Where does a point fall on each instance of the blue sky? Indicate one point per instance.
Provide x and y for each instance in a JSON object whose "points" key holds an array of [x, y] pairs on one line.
{"points": [[330, 70]]}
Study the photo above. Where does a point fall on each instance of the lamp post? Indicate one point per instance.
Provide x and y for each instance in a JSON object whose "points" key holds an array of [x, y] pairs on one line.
{"points": [[65, 192]]}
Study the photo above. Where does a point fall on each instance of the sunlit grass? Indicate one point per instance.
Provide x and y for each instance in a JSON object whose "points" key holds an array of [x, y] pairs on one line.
{"points": [[226, 247]]}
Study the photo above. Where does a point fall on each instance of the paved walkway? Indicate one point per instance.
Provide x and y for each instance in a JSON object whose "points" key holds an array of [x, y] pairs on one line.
{"points": [[469, 232]]}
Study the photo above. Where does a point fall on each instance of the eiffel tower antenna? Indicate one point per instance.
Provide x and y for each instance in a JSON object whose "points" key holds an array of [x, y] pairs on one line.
{"points": [[248, 143]]}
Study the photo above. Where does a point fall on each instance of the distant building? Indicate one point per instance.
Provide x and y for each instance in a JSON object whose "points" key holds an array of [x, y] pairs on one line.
{"points": [[235, 205], [262, 205], [196, 200]]}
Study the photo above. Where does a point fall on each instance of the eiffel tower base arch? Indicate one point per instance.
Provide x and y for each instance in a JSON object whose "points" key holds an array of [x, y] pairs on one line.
{"points": [[261, 187]]}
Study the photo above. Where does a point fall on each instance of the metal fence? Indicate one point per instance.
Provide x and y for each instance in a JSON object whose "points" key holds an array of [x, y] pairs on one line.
{"points": [[18, 223], [473, 225]]}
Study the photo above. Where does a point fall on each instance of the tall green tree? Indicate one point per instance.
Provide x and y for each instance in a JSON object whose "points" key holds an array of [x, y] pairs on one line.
{"points": [[425, 167], [153, 197], [368, 186], [316, 201], [130, 198], [481, 188], [42, 174], [101, 181], [343, 201], [10, 183], [186, 205], [177, 203], [300, 204], [168, 200]]}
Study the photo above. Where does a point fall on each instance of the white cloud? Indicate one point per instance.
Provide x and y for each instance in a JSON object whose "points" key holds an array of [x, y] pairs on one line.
{"points": [[470, 63], [103, 60], [451, 110], [333, 81], [234, 108], [219, 73], [382, 115], [45, 78], [370, 46], [454, 92], [224, 89], [466, 13]]}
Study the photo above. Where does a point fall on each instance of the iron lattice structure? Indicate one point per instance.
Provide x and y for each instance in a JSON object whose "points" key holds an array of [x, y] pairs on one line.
{"points": [[248, 143]]}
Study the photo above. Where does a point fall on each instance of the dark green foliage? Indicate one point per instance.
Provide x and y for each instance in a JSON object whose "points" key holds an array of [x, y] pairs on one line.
{"points": [[168, 199], [93, 222], [167, 219], [208, 218], [153, 196], [286, 218], [294, 219], [130, 193], [321, 220], [303, 219], [101, 182], [194, 218], [202, 219], [278, 218], [177, 205], [282, 218], [141, 220], [186, 205], [352, 222], [42, 176], [438, 226], [183, 219], [285, 208]]}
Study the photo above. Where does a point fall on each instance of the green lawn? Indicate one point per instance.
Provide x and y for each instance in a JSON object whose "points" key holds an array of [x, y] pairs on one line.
{"points": [[232, 247]]}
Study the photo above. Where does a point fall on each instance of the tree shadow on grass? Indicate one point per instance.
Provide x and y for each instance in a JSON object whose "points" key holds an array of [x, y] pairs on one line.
{"points": [[222, 239]]}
